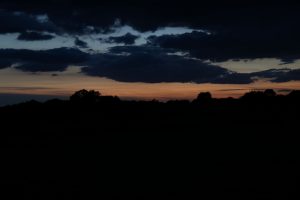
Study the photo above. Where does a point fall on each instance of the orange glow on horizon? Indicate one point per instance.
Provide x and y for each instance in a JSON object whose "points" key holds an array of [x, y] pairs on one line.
{"points": [[68, 83]]}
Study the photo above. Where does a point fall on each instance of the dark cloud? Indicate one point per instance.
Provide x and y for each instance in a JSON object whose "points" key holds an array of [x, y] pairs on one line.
{"points": [[149, 15], [252, 29], [279, 75], [80, 43], [126, 39], [123, 63], [275, 75], [237, 30], [145, 49], [42, 67], [4, 63], [154, 64], [234, 44], [234, 78], [19, 22], [44, 60], [292, 75], [288, 60], [151, 65], [136, 64], [33, 36]]}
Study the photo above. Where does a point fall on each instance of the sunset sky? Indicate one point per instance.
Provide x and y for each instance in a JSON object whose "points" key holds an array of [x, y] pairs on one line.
{"points": [[146, 49]]}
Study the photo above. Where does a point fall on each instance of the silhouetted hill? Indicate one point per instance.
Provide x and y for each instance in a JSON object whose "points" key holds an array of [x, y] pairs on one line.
{"points": [[94, 146]]}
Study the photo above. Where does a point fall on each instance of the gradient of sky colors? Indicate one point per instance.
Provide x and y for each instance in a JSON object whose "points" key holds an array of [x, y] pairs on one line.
{"points": [[58, 47]]}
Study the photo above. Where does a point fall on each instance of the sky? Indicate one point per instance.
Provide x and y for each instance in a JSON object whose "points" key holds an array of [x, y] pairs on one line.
{"points": [[147, 49]]}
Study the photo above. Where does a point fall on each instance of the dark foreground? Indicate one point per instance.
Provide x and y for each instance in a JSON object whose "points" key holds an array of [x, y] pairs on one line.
{"points": [[104, 148]]}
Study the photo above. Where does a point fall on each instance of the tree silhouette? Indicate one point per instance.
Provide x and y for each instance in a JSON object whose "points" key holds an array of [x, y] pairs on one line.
{"points": [[253, 96], [85, 96], [204, 97], [294, 94], [269, 93]]}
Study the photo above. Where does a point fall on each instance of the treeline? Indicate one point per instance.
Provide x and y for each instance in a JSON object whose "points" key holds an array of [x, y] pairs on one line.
{"points": [[86, 109], [93, 146], [92, 98]]}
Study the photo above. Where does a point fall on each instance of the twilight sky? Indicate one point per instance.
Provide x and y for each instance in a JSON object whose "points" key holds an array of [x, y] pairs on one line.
{"points": [[147, 49]]}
